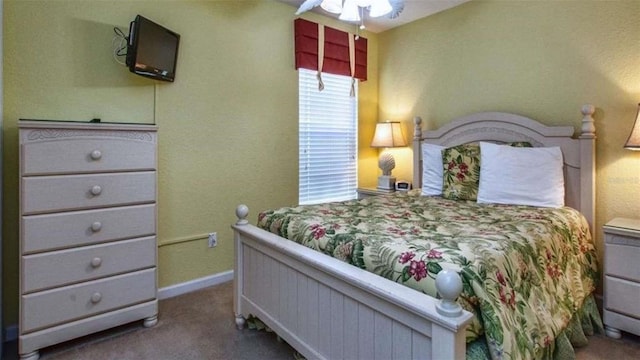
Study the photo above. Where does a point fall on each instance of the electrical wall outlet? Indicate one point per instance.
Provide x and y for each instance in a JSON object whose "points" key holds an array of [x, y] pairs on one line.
{"points": [[213, 239]]}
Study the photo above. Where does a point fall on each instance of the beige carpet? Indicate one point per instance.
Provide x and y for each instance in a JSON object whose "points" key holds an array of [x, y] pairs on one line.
{"points": [[200, 325]]}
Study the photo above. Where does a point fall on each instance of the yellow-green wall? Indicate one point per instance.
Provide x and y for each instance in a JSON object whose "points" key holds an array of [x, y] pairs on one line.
{"points": [[227, 126], [542, 59]]}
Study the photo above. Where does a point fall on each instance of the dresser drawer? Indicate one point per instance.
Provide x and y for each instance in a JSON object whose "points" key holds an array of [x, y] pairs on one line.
{"points": [[621, 261], [61, 151], [622, 296], [42, 194], [85, 227], [57, 268], [56, 306]]}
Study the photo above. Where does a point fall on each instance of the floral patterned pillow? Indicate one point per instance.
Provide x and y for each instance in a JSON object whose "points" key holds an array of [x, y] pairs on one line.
{"points": [[461, 172]]}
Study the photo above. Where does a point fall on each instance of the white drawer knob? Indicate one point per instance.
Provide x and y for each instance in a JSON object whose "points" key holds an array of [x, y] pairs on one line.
{"points": [[96, 297], [96, 262], [96, 226], [96, 190], [96, 155]]}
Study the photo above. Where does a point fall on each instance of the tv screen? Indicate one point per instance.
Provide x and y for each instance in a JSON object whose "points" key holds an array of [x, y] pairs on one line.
{"points": [[152, 50]]}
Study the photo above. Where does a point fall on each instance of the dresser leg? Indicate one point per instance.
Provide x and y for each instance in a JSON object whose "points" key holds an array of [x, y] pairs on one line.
{"points": [[612, 332], [34, 355], [150, 321]]}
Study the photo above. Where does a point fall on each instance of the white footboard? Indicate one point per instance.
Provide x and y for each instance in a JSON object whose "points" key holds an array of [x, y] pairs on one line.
{"points": [[327, 309]]}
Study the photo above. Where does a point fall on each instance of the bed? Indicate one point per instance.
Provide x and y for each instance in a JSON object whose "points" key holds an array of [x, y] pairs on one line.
{"points": [[326, 308]]}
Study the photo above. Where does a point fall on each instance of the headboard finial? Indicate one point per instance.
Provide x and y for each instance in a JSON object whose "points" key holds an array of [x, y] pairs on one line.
{"points": [[417, 130], [588, 127]]}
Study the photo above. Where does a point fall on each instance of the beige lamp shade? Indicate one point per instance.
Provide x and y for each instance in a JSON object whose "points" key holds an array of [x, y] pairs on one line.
{"points": [[633, 143], [388, 134]]}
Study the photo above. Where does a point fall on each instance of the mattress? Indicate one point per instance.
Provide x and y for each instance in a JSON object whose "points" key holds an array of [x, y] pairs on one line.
{"points": [[525, 270]]}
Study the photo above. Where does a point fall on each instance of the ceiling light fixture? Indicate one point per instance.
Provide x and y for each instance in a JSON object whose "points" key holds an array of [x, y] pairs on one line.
{"points": [[353, 10]]}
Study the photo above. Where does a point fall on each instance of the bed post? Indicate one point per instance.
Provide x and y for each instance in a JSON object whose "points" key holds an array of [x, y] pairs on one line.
{"points": [[587, 140], [417, 155], [242, 211], [449, 286]]}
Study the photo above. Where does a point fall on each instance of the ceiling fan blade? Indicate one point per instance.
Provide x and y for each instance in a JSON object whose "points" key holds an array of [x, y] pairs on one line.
{"points": [[308, 5]]}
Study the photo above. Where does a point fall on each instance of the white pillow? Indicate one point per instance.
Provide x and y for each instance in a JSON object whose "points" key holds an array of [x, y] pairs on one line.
{"points": [[432, 169], [521, 176]]}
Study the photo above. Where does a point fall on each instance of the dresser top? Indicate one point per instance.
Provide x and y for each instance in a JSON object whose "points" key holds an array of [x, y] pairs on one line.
{"points": [[51, 124], [624, 226]]}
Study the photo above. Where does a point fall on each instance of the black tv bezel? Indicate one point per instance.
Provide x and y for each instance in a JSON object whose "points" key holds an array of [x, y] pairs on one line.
{"points": [[132, 51]]}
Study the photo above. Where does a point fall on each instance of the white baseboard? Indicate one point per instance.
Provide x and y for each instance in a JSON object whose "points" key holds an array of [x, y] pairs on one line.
{"points": [[193, 285], [11, 331]]}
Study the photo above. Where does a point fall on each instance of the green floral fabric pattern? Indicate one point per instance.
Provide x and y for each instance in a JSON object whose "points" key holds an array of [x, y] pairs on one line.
{"points": [[461, 175], [525, 270]]}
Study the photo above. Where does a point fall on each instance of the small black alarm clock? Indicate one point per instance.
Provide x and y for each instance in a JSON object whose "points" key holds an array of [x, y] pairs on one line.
{"points": [[402, 185]]}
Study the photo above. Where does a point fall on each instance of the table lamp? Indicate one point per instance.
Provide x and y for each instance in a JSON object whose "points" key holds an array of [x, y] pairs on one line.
{"points": [[387, 135], [633, 142]]}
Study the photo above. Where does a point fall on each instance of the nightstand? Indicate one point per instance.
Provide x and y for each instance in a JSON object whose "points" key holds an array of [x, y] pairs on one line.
{"points": [[365, 192], [622, 277]]}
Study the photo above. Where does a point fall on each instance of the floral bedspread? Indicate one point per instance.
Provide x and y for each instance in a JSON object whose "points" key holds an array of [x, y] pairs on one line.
{"points": [[525, 270]]}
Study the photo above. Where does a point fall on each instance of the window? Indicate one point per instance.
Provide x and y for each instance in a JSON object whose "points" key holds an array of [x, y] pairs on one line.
{"points": [[328, 138]]}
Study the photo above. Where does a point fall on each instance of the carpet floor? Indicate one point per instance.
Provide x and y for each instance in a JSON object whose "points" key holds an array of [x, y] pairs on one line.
{"points": [[200, 326]]}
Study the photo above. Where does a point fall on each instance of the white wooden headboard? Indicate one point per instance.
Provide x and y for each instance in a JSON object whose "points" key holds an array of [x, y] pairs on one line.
{"points": [[579, 153]]}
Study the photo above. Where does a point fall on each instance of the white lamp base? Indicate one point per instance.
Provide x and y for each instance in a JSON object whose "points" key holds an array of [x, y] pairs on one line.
{"points": [[386, 182]]}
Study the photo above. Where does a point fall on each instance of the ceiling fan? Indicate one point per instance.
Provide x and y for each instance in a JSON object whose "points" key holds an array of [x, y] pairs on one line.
{"points": [[354, 10]]}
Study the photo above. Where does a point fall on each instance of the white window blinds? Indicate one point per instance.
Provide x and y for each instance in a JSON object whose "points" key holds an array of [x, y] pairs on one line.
{"points": [[328, 138]]}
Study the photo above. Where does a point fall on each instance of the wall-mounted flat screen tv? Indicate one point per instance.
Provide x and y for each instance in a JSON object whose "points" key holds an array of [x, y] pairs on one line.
{"points": [[152, 50]]}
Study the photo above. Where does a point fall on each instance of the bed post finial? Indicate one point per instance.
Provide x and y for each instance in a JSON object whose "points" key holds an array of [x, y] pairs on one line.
{"points": [[588, 127], [242, 211], [417, 129], [449, 286]]}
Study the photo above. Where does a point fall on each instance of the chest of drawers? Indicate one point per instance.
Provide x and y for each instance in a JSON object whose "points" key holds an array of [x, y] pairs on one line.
{"points": [[88, 248], [622, 277]]}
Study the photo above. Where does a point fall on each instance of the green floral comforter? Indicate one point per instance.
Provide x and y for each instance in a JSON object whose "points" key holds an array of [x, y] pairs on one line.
{"points": [[525, 270]]}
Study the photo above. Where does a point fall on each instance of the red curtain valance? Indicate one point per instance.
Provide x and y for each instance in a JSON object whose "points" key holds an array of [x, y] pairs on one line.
{"points": [[336, 50]]}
